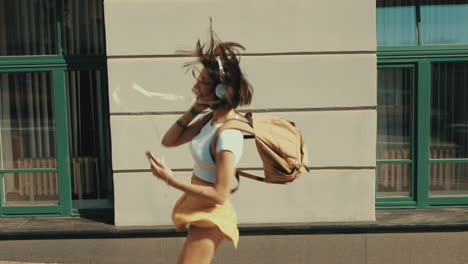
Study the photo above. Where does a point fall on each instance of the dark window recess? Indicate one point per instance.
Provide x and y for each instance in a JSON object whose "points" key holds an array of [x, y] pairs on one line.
{"points": [[90, 179], [28, 27]]}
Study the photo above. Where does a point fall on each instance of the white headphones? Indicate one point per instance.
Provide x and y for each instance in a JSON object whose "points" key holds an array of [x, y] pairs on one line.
{"points": [[221, 88]]}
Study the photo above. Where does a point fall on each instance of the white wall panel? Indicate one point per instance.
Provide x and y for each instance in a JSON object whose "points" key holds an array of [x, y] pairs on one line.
{"points": [[161, 27], [141, 199], [320, 196], [334, 138], [161, 85]]}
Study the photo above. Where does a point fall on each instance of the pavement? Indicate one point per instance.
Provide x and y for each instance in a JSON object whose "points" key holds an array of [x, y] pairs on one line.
{"points": [[398, 220]]}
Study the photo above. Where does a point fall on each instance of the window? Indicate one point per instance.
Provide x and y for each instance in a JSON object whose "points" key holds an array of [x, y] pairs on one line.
{"points": [[396, 24], [425, 22], [449, 129], [422, 96], [395, 129], [54, 127], [444, 22]]}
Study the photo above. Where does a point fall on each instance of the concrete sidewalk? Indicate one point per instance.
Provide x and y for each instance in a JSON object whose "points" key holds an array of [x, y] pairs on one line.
{"points": [[438, 236], [383, 248]]}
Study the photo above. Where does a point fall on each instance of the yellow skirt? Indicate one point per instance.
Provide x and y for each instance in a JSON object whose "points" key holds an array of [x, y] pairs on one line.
{"points": [[201, 212]]}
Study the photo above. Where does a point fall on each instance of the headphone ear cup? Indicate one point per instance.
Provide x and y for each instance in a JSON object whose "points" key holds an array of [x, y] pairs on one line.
{"points": [[221, 91]]}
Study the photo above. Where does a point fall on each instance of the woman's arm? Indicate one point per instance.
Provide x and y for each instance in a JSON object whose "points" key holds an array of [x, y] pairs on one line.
{"points": [[180, 132], [218, 193]]}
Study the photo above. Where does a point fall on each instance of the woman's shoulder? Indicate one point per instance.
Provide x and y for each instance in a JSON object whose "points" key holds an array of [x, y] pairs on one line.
{"points": [[231, 133]]}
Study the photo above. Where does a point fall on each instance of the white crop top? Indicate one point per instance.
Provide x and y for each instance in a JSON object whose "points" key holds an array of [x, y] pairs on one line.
{"points": [[230, 139]]}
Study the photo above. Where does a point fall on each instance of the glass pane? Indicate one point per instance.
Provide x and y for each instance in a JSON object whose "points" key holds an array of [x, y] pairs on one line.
{"points": [[449, 179], [394, 111], [30, 189], [444, 22], [28, 27], [449, 110], [83, 27], [27, 125], [393, 180], [396, 22], [86, 112]]}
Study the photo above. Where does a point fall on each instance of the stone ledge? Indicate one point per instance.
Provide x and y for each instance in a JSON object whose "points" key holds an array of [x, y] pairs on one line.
{"points": [[388, 221], [21, 262]]}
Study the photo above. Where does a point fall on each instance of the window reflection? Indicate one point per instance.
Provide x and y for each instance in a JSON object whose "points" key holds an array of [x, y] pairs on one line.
{"points": [[27, 124], [394, 104], [28, 27], [449, 110]]}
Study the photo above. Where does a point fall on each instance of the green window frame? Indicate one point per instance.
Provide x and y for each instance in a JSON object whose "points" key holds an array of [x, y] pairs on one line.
{"points": [[58, 65], [410, 160], [422, 124], [421, 57]]}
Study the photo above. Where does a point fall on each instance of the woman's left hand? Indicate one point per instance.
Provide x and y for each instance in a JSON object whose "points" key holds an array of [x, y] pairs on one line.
{"points": [[159, 169]]}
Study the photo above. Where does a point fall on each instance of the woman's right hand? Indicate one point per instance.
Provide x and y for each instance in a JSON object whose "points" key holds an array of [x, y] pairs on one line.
{"points": [[200, 105], [203, 102]]}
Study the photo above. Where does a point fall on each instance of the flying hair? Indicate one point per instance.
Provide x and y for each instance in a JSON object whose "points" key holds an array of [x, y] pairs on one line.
{"points": [[239, 91]]}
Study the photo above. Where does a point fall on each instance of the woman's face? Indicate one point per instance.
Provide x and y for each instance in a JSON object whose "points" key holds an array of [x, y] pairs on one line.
{"points": [[204, 85]]}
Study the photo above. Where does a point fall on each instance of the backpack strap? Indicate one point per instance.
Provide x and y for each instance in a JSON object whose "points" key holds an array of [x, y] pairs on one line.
{"points": [[250, 176], [230, 124], [244, 174], [244, 126]]}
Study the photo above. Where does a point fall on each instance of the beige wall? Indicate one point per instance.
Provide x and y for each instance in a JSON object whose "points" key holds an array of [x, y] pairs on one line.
{"points": [[301, 81], [309, 61], [159, 27]]}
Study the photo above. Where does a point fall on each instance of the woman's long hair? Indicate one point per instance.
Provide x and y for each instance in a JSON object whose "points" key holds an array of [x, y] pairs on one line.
{"points": [[239, 91]]}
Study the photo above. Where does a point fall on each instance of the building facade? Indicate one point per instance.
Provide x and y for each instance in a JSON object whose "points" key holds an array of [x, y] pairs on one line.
{"points": [[379, 90], [292, 60]]}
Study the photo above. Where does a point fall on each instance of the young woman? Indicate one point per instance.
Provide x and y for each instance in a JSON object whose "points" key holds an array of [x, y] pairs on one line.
{"points": [[205, 208]]}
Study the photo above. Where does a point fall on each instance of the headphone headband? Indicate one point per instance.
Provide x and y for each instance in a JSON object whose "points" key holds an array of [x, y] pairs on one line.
{"points": [[221, 88], [220, 65]]}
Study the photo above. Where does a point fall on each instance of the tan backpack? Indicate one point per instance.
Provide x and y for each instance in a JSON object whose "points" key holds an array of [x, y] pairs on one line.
{"points": [[279, 143]]}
